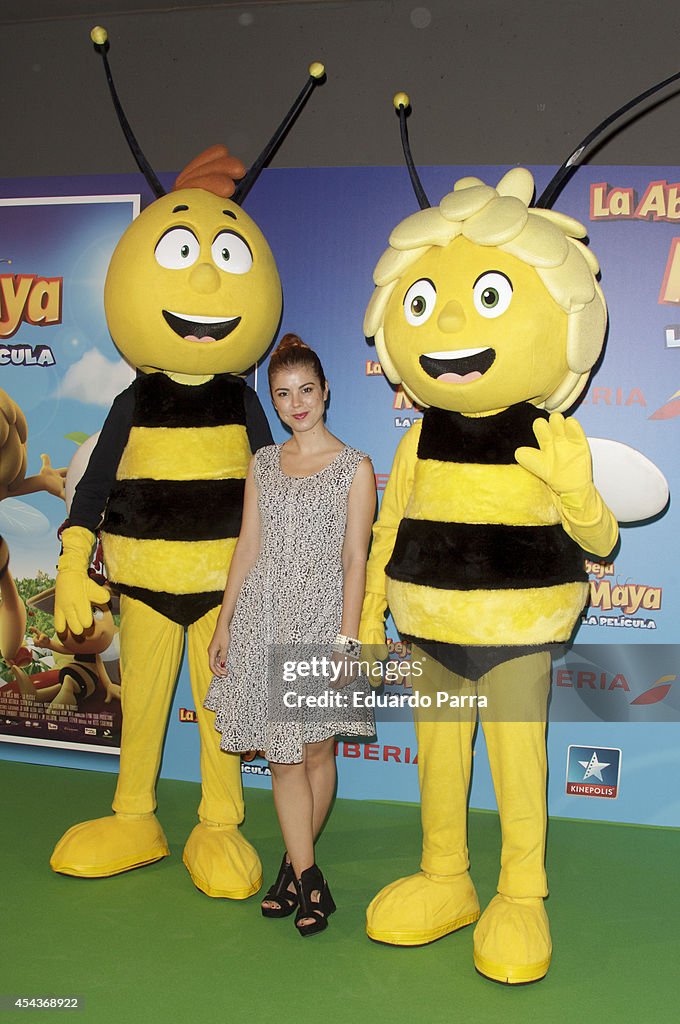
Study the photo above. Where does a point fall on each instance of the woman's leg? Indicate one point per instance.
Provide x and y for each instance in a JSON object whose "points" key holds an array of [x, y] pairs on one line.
{"points": [[302, 796], [295, 810], [294, 807], [319, 762]]}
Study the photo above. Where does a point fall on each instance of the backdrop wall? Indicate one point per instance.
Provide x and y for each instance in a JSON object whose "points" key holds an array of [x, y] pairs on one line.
{"points": [[615, 697]]}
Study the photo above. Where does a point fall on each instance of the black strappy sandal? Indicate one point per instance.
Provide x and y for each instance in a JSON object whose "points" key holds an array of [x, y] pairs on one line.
{"points": [[280, 892], [310, 881]]}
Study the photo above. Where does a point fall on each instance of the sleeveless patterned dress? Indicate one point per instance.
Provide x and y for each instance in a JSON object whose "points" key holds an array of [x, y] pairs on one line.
{"points": [[291, 596]]}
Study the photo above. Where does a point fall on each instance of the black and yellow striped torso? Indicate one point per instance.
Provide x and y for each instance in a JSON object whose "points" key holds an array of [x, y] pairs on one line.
{"points": [[174, 514], [481, 557]]}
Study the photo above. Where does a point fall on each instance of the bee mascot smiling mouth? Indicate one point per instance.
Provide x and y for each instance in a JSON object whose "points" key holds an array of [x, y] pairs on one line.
{"points": [[489, 314], [192, 298]]}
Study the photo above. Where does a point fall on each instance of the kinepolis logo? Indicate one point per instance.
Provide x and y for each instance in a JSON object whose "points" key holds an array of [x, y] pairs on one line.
{"points": [[593, 771], [616, 683], [630, 601]]}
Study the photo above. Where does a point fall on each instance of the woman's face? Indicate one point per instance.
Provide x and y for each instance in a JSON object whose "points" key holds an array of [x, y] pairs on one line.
{"points": [[299, 398]]}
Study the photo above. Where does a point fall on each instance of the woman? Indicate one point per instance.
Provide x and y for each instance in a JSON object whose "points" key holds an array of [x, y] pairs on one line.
{"points": [[297, 577]]}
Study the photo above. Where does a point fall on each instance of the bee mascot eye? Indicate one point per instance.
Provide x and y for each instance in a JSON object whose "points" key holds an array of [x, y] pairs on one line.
{"points": [[419, 302], [231, 253], [492, 294], [177, 249]]}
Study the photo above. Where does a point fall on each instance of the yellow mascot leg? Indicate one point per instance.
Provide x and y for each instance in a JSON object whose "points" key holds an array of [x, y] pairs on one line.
{"points": [[221, 862], [512, 940], [441, 897], [150, 655]]}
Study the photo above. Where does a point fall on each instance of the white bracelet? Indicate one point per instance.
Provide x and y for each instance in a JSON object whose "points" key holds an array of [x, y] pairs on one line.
{"points": [[347, 645]]}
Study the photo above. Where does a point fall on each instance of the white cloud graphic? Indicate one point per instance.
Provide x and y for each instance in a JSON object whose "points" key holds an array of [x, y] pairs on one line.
{"points": [[94, 379]]}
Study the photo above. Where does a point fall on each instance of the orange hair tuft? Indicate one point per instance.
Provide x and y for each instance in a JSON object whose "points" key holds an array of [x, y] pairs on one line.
{"points": [[213, 170]]}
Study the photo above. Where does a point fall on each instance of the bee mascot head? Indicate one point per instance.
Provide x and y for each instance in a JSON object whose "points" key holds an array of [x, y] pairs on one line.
{"points": [[192, 287], [483, 302]]}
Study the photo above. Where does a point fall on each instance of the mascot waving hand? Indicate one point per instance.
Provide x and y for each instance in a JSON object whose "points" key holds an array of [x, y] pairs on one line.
{"points": [[192, 299], [488, 311]]}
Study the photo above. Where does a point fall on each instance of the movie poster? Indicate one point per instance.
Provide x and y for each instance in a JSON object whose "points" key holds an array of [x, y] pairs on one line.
{"points": [[59, 373]]}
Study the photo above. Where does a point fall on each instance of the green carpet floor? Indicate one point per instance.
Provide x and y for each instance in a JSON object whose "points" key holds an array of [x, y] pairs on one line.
{"points": [[146, 946]]}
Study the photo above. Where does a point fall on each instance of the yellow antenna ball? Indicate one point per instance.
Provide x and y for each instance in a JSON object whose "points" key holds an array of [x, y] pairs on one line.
{"points": [[401, 99], [316, 69], [99, 35]]}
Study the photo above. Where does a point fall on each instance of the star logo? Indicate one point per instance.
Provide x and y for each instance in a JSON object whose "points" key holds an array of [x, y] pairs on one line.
{"points": [[588, 774], [594, 767]]}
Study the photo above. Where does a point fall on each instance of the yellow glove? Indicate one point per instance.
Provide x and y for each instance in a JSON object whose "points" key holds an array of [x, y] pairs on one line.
{"points": [[372, 634], [564, 462], [75, 592], [372, 624], [562, 459]]}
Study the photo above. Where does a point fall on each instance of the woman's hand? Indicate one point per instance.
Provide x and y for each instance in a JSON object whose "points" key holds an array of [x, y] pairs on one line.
{"points": [[217, 650], [345, 670]]}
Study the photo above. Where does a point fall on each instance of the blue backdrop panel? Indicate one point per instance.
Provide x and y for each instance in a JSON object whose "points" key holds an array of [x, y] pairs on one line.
{"points": [[327, 228]]}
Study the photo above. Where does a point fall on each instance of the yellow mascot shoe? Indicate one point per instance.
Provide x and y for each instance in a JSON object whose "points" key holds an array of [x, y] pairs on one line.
{"points": [[512, 941], [221, 862], [109, 846], [422, 908]]}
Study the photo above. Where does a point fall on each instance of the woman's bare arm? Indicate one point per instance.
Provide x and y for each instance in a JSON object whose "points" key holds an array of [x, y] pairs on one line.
{"points": [[360, 513]]}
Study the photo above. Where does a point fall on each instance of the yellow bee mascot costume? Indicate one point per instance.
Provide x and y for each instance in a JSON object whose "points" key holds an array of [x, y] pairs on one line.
{"points": [[192, 298], [487, 310]]}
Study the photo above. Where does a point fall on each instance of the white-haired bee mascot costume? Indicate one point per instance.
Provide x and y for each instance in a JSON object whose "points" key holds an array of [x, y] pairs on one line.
{"points": [[488, 312], [192, 299]]}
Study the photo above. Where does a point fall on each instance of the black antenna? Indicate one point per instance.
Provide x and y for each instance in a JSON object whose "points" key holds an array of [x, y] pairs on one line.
{"points": [[317, 73], [562, 176], [100, 38], [402, 105]]}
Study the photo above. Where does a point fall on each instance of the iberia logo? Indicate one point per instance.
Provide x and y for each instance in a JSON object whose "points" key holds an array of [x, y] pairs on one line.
{"points": [[669, 410], [377, 752], [590, 679], [620, 396]]}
